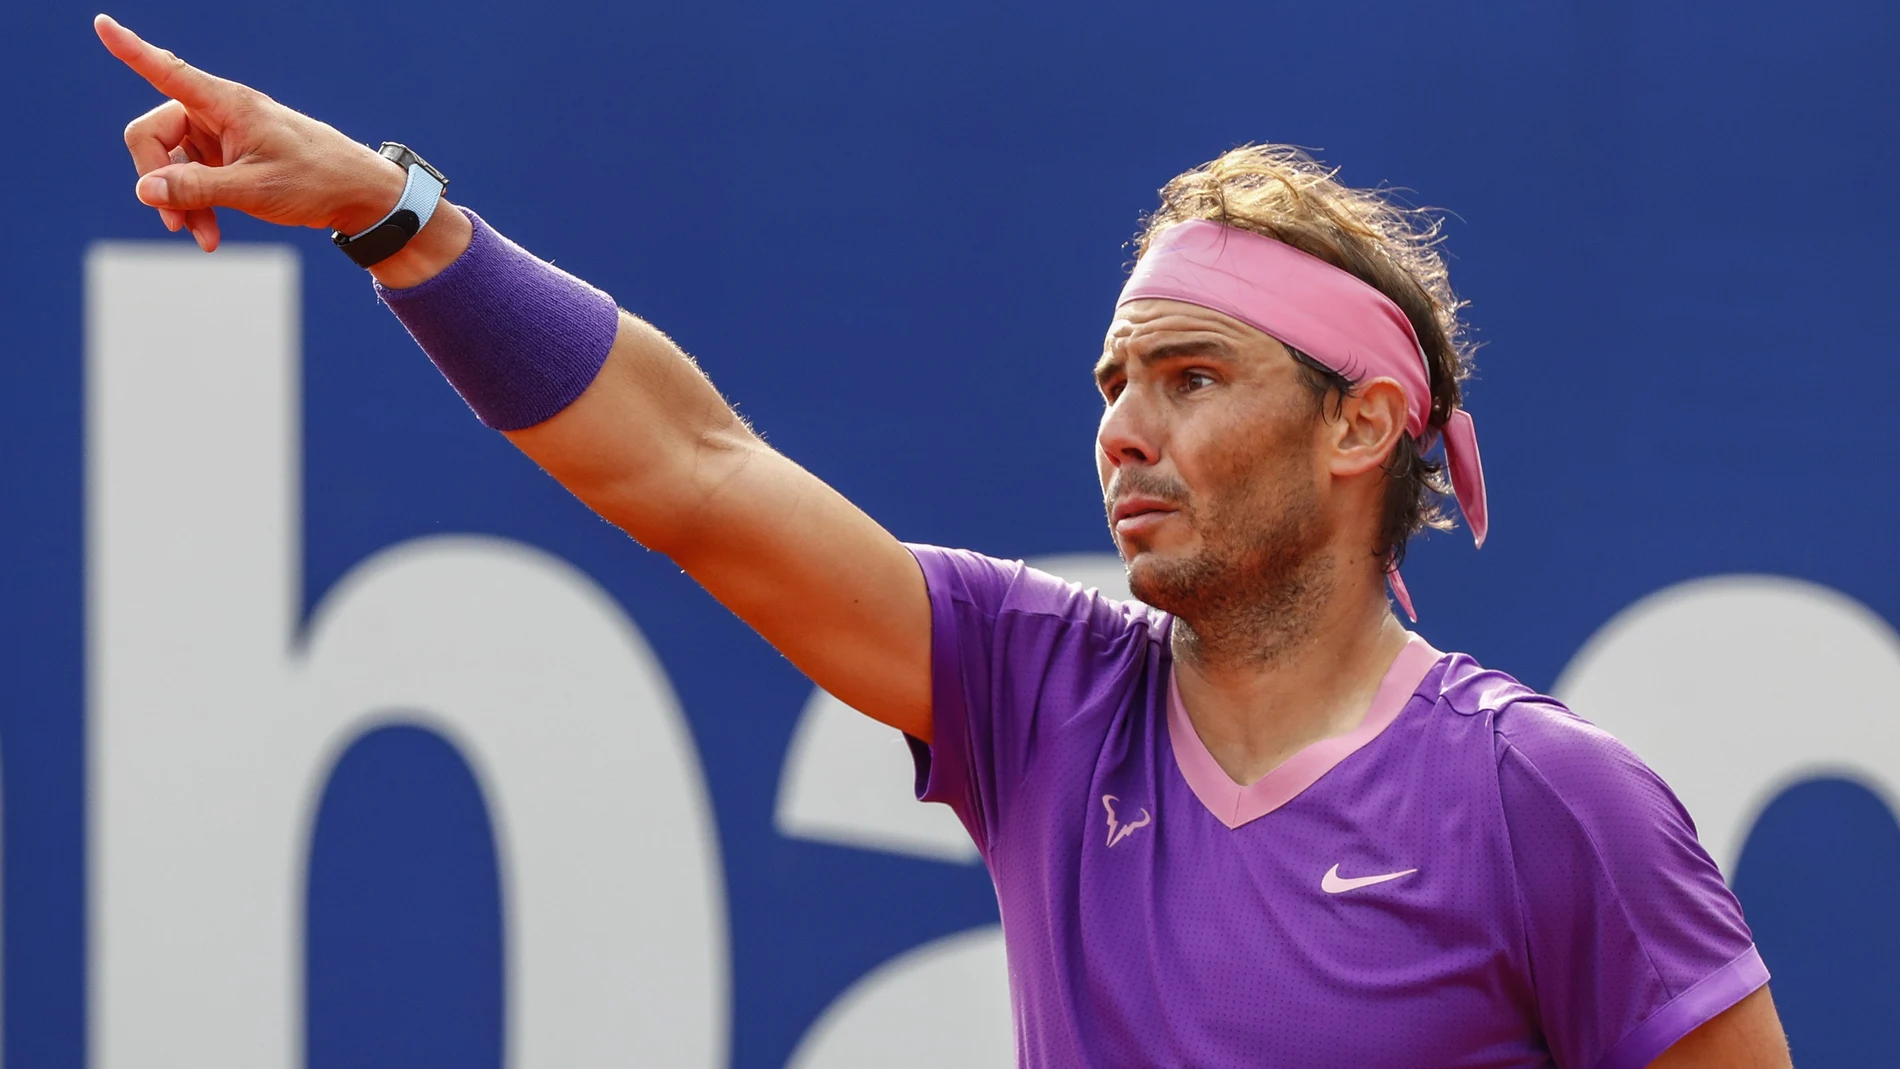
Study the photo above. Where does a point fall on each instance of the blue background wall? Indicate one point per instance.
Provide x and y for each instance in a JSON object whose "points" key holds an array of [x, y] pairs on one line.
{"points": [[892, 234]]}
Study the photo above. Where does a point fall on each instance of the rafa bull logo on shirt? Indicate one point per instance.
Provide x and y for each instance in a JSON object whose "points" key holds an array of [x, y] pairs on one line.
{"points": [[1116, 833]]}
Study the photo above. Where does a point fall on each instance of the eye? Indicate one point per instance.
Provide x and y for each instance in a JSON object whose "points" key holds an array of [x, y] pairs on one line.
{"points": [[1113, 389], [1195, 380]]}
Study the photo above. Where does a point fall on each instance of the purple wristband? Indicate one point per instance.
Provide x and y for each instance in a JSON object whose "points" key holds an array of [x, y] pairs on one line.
{"points": [[518, 338]]}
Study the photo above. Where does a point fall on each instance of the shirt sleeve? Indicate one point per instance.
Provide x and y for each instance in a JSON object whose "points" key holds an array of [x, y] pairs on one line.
{"points": [[1014, 652], [1634, 939]]}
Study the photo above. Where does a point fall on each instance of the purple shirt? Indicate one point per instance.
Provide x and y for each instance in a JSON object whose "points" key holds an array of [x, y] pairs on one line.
{"points": [[1475, 877]]}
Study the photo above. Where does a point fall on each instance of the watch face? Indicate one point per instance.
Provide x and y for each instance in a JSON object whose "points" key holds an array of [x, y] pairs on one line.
{"points": [[403, 156]]}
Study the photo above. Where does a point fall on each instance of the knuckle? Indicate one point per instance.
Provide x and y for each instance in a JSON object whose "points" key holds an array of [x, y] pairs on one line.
{"points": [[174, 66], [247, 102], [145, 128]]}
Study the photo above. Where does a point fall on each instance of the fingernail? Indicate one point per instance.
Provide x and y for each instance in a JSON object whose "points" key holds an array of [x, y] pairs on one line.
{"points": [[152, 190]]}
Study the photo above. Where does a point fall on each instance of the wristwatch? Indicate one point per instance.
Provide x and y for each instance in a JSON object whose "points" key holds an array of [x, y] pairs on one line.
{"points": [[420, 195]]}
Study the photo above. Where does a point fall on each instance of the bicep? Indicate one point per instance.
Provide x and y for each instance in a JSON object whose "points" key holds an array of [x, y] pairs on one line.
{"points": [[654, 449], [1747, 1035]]}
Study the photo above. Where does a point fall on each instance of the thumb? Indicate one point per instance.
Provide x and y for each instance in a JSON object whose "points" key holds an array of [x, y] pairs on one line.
{"points": [[184, 186]]}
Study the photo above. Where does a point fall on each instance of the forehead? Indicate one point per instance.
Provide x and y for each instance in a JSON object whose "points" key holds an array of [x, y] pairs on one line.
{"points": [[1142, 329]]}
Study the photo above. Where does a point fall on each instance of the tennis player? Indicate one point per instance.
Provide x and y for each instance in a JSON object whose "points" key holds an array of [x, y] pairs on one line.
{"points": [[1250, 821]]}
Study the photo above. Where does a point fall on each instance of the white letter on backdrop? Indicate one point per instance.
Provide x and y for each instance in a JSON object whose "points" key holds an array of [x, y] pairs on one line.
{"points": [[213, 723], [847, 781], [1735, 688]]}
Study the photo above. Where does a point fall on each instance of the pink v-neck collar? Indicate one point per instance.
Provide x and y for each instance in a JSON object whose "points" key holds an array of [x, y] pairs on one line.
{"points": [[1235, 805]]}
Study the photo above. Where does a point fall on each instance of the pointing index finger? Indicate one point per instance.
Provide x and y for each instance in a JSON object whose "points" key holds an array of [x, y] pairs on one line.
{"points": [[168, 74]]}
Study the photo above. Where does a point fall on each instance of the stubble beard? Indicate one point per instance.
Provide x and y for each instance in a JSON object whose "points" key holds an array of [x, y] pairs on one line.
{"points": [[1258, 584]]}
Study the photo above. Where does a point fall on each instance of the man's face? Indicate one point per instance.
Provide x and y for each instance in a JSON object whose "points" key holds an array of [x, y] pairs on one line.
{"points": [[1210, 460]]}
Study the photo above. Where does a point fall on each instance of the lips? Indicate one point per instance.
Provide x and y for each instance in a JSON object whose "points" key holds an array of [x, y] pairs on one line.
{"points": [[1137, 506], [1135, 516]]}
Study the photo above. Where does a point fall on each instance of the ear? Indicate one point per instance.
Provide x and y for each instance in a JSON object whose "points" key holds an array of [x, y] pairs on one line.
{"points": [[1369, 425]]}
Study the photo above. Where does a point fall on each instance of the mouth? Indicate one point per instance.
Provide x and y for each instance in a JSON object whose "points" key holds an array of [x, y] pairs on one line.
{"points": [[1134, 516]]}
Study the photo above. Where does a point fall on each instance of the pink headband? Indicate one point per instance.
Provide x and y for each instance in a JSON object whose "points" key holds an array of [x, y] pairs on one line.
{"points": [[1328, 314]]}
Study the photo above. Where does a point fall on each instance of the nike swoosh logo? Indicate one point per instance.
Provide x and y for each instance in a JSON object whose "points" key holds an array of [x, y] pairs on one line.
{"points": [[1332, 883]]}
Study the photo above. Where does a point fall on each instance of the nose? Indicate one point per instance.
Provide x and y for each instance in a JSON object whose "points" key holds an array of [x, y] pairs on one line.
{"points": [[1127, 434]]}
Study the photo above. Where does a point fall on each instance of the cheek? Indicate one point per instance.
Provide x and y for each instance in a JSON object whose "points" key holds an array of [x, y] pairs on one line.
{"points": [[1265, 456]]}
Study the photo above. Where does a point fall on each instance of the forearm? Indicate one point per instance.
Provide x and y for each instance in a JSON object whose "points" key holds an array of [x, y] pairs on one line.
{"points": [[650, 445], [653, 448], [626, 421], [645, 440], [603, 401]]}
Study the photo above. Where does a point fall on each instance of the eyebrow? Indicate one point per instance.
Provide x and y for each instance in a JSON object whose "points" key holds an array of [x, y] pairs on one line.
{"points": [[1110, 365]]}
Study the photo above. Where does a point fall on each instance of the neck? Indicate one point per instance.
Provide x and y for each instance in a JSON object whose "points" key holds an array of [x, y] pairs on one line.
{"points": [[1263, 678]]}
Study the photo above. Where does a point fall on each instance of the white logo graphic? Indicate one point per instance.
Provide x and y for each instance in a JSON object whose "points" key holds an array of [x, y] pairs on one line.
{"points": [[1117, 834], [216, 711], [1332, 883], [1699, 680]]}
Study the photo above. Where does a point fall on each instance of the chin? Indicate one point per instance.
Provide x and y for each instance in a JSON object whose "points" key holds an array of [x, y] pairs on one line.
{"points": [[1151, 578]]}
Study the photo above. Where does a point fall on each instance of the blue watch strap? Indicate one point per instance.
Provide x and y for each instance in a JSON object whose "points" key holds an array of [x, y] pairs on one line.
{"points": [[421, 192], [422, 188]]}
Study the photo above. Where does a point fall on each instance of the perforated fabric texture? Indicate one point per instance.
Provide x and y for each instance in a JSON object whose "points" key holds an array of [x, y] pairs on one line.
{"points": [[1143, 931]]}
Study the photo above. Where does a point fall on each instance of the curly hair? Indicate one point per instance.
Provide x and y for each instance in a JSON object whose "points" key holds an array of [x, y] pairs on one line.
{"points": [[1283, 193]]}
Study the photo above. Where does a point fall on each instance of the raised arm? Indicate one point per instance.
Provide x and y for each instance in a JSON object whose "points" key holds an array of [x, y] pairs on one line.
{"points": [[649, 444], [654, 449]]}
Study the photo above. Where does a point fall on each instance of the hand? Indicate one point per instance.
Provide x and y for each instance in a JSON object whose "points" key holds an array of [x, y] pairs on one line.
{"points": [[216, 143]]}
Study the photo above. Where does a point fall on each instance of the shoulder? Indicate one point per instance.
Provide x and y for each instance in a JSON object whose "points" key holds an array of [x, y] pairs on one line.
{"points": [[1551, 761], [1463, 686], [995, 588], [1632, 934], [1529, 730], [1582, 809], [1548, 754]]}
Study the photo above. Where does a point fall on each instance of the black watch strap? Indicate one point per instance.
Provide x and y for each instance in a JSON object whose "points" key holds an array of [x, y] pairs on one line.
{"points": [[386, 239], [422, 189]]}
